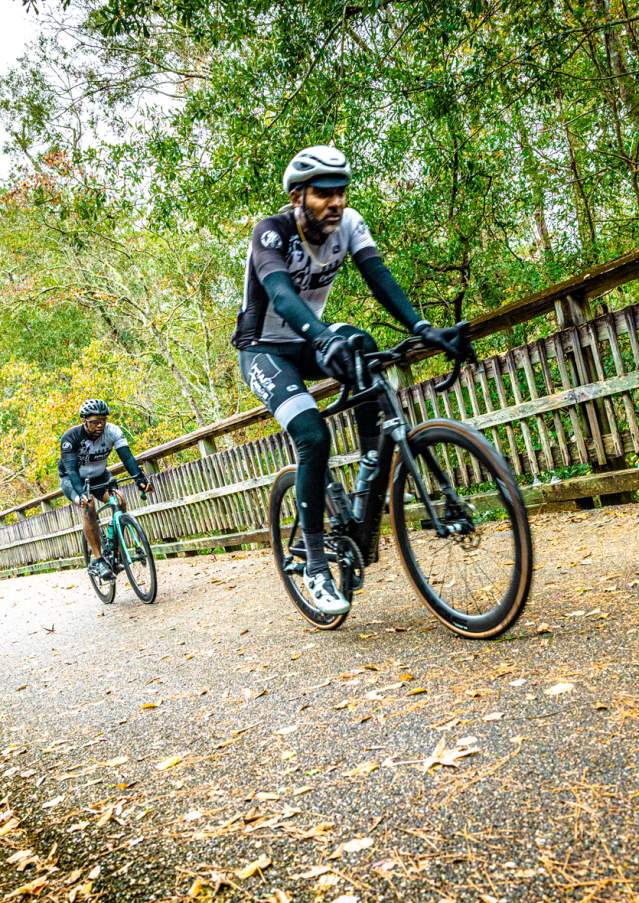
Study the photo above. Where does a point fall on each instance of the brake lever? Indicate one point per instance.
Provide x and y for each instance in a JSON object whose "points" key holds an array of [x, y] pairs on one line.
{"points": [[451, 379], [357, 343]]}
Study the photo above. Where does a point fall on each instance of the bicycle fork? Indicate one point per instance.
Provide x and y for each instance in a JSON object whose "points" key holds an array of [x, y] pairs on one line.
{"points": [[395, 426]]}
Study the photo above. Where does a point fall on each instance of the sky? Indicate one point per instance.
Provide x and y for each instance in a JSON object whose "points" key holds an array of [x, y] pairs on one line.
{"points": [[17, 29]]}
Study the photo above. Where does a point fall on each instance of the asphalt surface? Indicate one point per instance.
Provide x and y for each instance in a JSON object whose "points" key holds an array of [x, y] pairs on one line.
{"points": [[214, 746]]}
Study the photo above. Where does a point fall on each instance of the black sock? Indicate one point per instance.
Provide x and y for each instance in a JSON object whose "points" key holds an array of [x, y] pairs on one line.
{"points": [[316, 560]]}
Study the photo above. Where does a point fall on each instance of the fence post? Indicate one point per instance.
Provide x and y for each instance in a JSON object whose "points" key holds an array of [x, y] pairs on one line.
{"points": [[206, 447], [575, 310]]}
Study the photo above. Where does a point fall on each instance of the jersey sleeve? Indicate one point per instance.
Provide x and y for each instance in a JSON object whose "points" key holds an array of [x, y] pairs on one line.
{"points": [[117, 436], [360, 240], [68, 463], [70, 442], [267, 249]]}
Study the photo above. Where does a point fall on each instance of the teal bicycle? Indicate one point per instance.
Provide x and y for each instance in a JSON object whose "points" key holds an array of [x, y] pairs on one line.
{"points": [[124, 547]]}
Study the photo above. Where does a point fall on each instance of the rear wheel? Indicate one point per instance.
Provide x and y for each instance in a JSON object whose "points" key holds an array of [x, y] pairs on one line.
{"points": [[476, 578], [105, 589], [137, 558], [288, 551]]}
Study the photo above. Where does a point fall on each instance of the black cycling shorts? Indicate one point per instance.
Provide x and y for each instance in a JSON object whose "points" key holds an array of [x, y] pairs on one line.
{"points": [[277, 376], [97, 485]]}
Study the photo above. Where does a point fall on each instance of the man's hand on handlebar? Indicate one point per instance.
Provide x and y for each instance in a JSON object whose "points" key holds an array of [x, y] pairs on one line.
{"points": [[454, 341], [143, 484]]}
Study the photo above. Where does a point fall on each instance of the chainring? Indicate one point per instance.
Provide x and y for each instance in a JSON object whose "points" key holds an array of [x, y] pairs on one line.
{"points": [[350, 562]]}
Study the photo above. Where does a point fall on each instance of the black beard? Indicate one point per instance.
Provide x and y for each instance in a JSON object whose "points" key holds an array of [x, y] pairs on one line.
{"points": [[314, 227]]}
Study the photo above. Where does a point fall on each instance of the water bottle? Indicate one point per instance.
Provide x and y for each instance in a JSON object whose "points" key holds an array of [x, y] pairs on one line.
{"points": [[367, 470], [338, 502]]}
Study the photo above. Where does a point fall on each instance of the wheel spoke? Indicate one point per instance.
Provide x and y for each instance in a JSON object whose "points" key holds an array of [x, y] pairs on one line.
{"points": [[473, 577]]}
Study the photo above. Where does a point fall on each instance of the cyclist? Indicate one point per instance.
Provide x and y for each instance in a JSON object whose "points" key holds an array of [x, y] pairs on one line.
{"points": [[293, 258], [84, 450]]}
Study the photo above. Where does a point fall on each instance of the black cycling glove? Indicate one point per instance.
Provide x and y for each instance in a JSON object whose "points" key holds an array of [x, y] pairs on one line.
{"points": [[141, 480], [451, 340], [335, 356]]}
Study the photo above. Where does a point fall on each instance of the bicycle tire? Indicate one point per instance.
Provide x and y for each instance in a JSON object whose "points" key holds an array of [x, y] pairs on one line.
{"points": [[147, 595], [508, 578], [104, 596], [285, 483]]}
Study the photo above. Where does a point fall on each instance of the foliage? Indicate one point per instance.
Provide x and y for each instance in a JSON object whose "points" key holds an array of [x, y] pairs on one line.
{"points": [[495, 150]]}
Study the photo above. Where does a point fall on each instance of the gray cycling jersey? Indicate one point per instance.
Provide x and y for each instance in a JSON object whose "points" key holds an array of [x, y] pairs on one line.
{"points": [[275, 247], [90, 454]]}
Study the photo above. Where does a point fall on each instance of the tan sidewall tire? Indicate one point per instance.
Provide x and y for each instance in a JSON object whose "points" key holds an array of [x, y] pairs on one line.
{"points": [[519, 513]]}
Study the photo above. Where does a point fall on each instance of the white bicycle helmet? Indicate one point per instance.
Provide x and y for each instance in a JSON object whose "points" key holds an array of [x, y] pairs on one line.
{"points": [[321, 166]]}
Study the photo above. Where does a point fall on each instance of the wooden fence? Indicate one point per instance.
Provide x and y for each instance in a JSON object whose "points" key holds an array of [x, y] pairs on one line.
{"points": [[569, 401]]}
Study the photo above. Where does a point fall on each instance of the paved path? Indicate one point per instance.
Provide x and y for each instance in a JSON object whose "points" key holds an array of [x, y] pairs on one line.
{"points": [[215, 745]]}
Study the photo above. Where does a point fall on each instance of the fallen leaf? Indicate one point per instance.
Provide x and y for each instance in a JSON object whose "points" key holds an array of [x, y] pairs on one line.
{"points": [[360, 843], [171, 762], [285, 731], [94, 873], [544, 628], [105, 817], [54, 802], [494, 716], [301, 790], [559, 688], [441, 755], [149, 705], [74, 876], [406, 676], [120, 760], [416, 691], [32, 889], [519, 682], [22, 859], [314, 872], [362, 770], [257, 865]]}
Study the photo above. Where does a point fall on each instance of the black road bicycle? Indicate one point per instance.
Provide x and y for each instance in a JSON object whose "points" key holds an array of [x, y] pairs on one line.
{"points": [[125, 547], [456, 512]]}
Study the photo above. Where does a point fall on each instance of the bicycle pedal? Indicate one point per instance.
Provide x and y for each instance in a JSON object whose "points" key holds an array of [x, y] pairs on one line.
{"points": [[294, 567]]}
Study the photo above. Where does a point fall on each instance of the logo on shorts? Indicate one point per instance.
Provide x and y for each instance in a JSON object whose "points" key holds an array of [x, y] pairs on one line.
{"points": [[270, 239], [66, 446], [291, 388]]}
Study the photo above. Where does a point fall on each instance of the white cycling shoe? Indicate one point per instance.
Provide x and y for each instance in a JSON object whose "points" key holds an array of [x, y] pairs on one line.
{"points": [[326, 596]]}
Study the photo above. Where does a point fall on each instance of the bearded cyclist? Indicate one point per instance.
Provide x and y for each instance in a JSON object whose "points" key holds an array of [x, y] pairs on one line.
{"points": [[84, 450], [282, 340]]}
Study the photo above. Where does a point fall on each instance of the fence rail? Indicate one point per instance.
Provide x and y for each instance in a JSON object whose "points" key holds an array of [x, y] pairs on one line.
{"points": [[566, 401]]}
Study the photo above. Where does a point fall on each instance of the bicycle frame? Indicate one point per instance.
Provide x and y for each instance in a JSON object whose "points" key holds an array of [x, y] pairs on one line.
{"points": [[394, 434], [113, 504]]}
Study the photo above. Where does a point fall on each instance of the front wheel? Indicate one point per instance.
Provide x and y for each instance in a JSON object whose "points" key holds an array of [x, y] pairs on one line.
{"points": [[288, 551], [105, 589], [476, 578], [137, 558]]}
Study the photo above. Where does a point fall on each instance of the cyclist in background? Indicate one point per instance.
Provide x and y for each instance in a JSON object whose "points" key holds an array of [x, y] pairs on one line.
{"points": [[84, 450], [293, 259]]}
